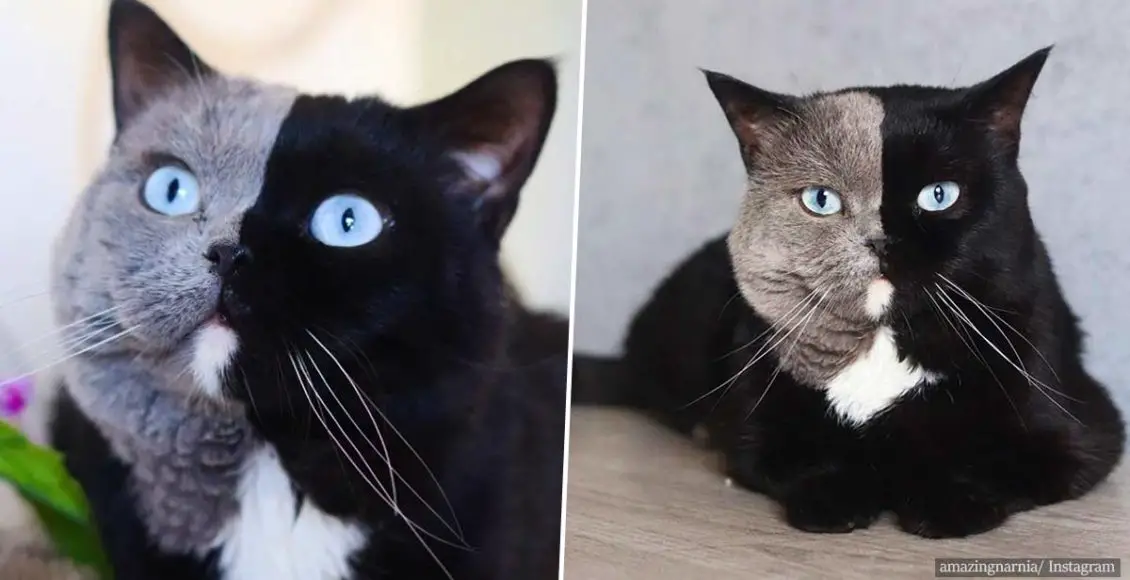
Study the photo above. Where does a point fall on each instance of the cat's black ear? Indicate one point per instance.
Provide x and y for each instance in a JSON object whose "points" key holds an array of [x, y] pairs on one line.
{"points": [[751, 111], [146, 58], [494, 129], [1000, 101]]}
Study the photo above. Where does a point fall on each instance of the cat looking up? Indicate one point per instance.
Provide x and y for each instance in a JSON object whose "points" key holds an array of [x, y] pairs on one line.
{"points": [[300, 357]]}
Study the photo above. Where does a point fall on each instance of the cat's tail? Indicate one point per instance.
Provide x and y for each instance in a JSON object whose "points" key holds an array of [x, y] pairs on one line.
{"points": [[602, 380]]}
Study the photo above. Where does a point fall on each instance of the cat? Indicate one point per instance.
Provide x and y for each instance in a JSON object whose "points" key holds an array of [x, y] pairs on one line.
{"points": [[295, 352], [881, 330]]}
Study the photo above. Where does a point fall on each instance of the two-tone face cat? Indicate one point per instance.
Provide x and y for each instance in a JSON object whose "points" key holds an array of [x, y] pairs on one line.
{"points": [[234, 212], [319, 276], [906, 346], [863, 200]]}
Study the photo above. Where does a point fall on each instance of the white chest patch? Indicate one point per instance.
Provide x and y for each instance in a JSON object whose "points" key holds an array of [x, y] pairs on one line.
{"points": [[266, 541], [878, 298], [874, 381], [212, 352]]}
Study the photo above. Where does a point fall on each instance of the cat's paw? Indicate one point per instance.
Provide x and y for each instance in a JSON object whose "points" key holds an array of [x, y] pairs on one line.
{"points": [[955, 510], [831, 503]]}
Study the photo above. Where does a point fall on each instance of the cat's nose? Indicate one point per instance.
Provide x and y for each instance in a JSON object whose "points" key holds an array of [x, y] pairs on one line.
{"points": [[227, 258]]}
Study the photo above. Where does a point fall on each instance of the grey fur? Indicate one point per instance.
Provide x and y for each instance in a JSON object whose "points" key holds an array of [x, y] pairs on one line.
{"points": [[185, 453], [185, 450], [781, 253]]}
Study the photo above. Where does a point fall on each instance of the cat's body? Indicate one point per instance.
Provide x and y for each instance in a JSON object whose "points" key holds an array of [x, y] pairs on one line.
{"points": [[499, 474], [860, 347], [296, 355], [950, 458]]}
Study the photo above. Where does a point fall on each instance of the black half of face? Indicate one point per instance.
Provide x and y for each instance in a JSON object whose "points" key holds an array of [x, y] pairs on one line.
{"points": [[953, 196], [425, 262], [377, 231]]}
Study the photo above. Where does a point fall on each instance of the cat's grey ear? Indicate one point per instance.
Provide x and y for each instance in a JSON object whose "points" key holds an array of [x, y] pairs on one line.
{"points": [[146, 59], [751, 111], [494, 128], [1000, 101]]}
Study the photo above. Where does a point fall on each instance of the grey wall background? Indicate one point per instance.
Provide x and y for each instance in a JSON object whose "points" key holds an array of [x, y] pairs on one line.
{"points": [[661, 172]]}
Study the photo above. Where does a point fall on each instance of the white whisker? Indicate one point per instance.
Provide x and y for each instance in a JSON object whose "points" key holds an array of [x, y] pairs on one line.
{"points": [[76, 340], [765, 349], [64, 330], [79, 353], [1031, 380], [247, 389], [23, 298], [787, 316], [1018, 364], [777, 339], [1019, 359], [416, 532], [458, 530], [71, 337], [412, 526], [988, 312], [318, 415], [958, 330], [310, 381], [807, 319], [380, 436]]}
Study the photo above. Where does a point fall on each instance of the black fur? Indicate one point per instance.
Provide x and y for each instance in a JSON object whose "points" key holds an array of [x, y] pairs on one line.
{"points": [[955, 458], [421, 318]]}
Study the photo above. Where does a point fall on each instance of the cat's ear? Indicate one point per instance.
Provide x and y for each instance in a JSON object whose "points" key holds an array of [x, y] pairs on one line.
{"points": [[752, 112], [1000, 101], [146, 59], [494, 129]]}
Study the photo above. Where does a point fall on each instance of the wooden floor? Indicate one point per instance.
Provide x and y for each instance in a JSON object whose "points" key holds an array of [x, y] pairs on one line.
{"points": [[645, 503]]}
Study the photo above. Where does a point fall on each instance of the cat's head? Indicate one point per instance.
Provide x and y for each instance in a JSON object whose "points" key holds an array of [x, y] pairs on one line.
{"points": [[236, 218], [863, 197]]}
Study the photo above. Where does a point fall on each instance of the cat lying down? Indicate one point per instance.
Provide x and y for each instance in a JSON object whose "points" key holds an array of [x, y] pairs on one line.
{"points": [[881, 330]]}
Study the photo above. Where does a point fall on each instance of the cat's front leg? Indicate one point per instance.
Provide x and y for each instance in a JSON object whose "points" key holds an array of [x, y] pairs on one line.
{"points": [[819, 491], [978, 488], [952, 506], [840, 500]]}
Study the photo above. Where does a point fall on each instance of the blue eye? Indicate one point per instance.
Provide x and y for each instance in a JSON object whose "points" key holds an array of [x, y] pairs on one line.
{"points": [[346, 221], [938, 196], [172, 190], [821, 200]]}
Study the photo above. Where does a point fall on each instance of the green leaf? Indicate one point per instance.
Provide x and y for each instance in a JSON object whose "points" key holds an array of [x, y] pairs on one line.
{"points": [[41, 477], [78, 542]]}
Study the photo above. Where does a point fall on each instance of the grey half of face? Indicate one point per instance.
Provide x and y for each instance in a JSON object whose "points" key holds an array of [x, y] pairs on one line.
{"points": [[788, 261], [117, 253]]}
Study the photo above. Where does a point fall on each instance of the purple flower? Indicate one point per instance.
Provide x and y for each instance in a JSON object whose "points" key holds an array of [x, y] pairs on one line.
{"points": [[14, 396]]}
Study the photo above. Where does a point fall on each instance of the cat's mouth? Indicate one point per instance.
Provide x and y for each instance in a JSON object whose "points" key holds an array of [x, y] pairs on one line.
{"points": [[221, 317], [230, 307]]}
